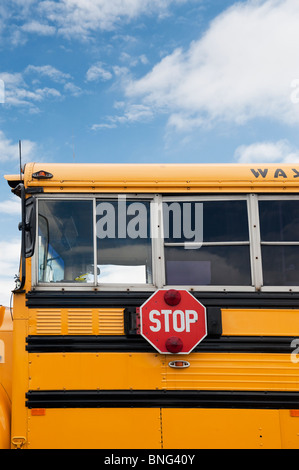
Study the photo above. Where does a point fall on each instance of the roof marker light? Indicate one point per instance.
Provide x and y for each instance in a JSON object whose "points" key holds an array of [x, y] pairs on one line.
{"points": [[42, 175]]}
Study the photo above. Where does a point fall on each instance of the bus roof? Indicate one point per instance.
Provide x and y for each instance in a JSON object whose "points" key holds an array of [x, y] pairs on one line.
{"points": [[151, 178]]}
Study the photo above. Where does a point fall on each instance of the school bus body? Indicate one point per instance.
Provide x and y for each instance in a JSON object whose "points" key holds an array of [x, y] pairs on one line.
{"points": [[82, 378], [5, 376]]}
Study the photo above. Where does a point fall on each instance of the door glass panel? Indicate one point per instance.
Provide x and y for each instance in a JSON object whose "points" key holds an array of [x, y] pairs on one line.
{"points": [[65, 235]]}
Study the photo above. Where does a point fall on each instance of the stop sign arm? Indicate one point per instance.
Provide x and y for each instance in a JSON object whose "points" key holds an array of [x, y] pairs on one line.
{"points": [[132, 321]]}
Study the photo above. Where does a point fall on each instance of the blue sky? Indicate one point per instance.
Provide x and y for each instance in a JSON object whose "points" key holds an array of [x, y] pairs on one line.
{"points": [[144, 81]]}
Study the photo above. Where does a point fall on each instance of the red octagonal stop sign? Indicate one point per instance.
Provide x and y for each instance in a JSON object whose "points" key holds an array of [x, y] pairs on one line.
{"points": [[173, 321]]}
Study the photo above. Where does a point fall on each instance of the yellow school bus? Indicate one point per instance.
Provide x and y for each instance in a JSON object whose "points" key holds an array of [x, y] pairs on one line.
{"points": [[98, 241], [5, 375]]}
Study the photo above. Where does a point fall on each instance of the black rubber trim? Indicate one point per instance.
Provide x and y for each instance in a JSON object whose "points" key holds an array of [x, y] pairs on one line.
{"points": [[161, 399], [122, 344], [81, 299]]}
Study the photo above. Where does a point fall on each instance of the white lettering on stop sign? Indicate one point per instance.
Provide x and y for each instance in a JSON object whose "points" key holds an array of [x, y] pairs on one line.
{"points": [[179, 320]]}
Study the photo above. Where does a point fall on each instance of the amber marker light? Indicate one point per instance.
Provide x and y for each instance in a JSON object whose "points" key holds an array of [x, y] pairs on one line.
{"points": [[38, 412], [42, 175]]}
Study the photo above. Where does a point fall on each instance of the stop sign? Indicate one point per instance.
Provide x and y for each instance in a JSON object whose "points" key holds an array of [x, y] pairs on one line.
{"points": [[173, 321]]}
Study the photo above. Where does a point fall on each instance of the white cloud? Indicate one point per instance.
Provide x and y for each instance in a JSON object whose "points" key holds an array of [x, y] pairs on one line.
{"points": [[132, 113], [9, 151], [9, 267], [133, 61], [10, 255], [48, 71], [81, 17], [38, 28], [97, 72], [24, 89], [96, 127], [73, 89], [135, 112], [243, 67], [12, 79], [11, 207], [6, 286], [267, 152]]}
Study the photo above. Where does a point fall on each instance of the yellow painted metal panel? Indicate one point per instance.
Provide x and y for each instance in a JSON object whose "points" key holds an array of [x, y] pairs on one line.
{"points": [[79, 321], [48, 321], [236, 372], [220, 429], [91, 371], [101, 428], [111, 321], [161, 177], [2, 314], [135, 428], [207, 371], [6, 359], [5, 418], [19, 425], [289, 430], [260, 322]]}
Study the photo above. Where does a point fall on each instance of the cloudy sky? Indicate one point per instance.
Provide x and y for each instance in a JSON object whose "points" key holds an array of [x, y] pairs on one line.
{"points": [[143, 81]]}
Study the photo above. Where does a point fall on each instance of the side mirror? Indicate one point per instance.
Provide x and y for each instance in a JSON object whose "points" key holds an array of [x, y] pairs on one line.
{"points": [[30, 226]]}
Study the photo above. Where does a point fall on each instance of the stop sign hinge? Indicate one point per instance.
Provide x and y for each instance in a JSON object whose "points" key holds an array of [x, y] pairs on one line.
{"points": [[132, 321], [214, 320]]}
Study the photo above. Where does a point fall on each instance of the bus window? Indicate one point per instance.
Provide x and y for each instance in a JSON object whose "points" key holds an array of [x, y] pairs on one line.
{"points": [[213, 249], [279, 227], [124, 253], [65, 240]]}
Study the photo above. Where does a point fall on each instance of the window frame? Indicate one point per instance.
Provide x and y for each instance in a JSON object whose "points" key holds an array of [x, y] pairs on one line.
{"points": [[209, 198], [90, 285], [276, 197], [157, 242]]}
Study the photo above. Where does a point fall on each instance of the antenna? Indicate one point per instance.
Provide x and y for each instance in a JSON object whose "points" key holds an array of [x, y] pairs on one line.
{"points": [[20, 156]]}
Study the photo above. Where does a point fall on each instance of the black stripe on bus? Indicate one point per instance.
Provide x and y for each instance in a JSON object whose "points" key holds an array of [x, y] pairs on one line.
{"points": [[161, 399], [130, 299], [123, 344]]}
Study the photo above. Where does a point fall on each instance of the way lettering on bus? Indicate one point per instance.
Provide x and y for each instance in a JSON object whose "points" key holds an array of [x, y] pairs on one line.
{"points": [[278, 173]]}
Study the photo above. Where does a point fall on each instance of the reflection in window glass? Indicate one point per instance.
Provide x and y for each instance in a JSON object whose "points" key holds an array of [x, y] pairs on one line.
{"points": [[208, 224], [279, 220], [65, 240], [212, 221], [280, 265], [209, 265], [279, 223], [124, 252]]}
